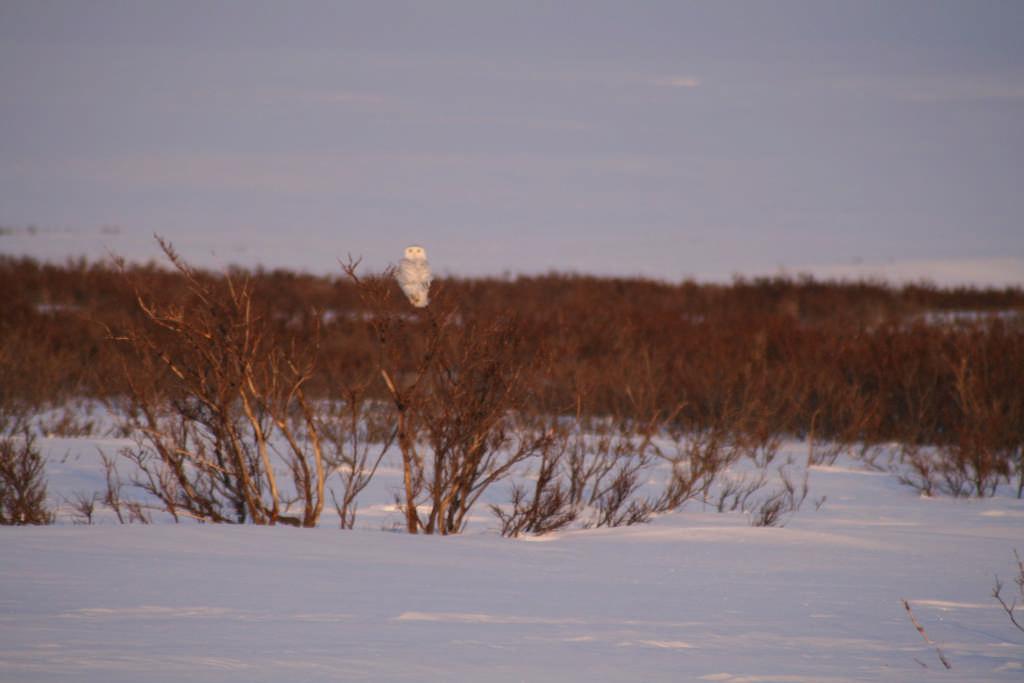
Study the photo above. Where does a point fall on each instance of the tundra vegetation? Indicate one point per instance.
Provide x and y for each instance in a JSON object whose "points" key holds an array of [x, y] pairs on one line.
{"points": [[266, 396]]}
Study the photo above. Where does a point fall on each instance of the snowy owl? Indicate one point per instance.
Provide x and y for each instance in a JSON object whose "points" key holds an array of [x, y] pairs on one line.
{"points": [[413, 275]]}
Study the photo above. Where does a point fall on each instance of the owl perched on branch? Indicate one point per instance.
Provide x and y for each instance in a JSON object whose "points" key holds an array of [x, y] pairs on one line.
{"points": [[413, 275]]}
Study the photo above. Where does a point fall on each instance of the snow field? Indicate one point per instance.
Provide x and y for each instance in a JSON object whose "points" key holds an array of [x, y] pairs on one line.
{"points": [[693, 596]]}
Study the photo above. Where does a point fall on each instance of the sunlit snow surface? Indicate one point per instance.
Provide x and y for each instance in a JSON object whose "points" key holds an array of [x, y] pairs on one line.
{"points": [[693, 596]]}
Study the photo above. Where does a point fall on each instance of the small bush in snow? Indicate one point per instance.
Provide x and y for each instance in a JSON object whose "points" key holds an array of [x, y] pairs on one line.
{"points": [[22, 482]]}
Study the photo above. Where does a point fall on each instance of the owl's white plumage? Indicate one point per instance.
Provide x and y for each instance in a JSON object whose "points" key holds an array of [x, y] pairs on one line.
{"points": [[413, 275]]}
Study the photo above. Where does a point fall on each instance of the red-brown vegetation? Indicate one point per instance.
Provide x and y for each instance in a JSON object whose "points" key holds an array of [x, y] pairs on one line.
{"points": [[491, 374]]}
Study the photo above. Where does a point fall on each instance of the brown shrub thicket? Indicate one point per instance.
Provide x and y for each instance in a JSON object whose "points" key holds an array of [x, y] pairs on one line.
{"points": [[219, 400], [22, 481], [458, 386], [590, 380]]}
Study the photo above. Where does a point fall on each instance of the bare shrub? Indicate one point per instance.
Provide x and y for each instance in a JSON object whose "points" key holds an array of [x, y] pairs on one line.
{"points": [[605, 464], [547, 505], [701, 457], [359, 432], [592, 480], [467, 418], [22, 482], [456, 383], [1016, 599], [987, 446], [980, 445], [83, 506], [786, 500], [736, 492], [592, 473], [404, 348], [127, 511], [617, 505], [217, 399], [918, 468]]}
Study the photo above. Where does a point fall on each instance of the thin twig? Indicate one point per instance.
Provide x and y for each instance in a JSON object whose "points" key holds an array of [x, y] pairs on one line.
{"points": [[920, 629], [997, 591]]}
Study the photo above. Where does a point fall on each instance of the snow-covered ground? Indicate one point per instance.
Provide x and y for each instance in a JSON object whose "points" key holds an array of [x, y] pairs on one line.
{"points": [[693, 596]]}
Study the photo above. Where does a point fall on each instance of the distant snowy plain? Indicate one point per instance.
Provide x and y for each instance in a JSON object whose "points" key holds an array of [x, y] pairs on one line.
{"points": [[693, 596]]}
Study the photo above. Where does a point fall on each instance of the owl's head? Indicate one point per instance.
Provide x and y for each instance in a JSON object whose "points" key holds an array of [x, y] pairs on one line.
{"points": [[415, 252]]}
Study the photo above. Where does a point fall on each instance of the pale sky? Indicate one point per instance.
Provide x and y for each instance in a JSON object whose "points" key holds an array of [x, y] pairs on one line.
{"points": [[666, 139]]}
